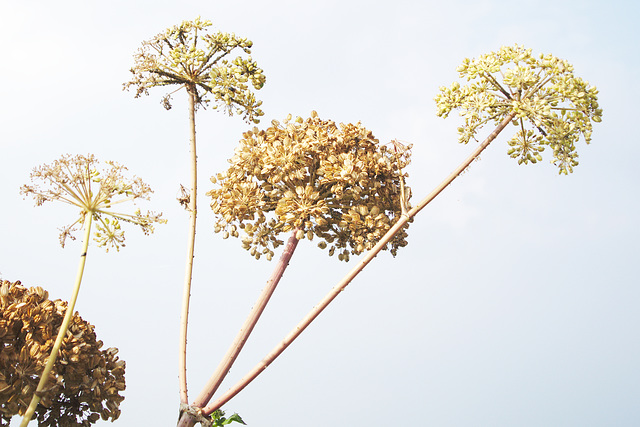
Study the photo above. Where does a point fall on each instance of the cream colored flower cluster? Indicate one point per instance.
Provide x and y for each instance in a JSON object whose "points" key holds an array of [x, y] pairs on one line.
{"points": [[85, 383], [334, 182], [552, 107], [81, 181]]}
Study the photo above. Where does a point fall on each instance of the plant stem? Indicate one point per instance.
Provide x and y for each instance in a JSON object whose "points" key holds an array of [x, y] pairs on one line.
{"points": [[229, 358], [444, 184], [315, 312], [62, 332], [186, 294]]}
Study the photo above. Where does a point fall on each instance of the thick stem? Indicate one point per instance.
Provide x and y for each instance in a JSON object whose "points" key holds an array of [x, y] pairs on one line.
{"points": [[186, 294], [63, 327], [315, 312], [229, 358]]}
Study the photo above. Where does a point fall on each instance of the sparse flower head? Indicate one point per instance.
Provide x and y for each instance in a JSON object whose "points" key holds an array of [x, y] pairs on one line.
{"points": [[78, 181], [335, 182], [186, 55], [83, 387], [553, 107]]}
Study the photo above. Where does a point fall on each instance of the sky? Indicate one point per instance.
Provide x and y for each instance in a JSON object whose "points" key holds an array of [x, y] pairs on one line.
{"points": [[516, 300]]}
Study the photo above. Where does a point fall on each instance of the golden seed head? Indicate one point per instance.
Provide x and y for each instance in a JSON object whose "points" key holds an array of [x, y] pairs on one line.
{"points": [[83, 385], [323, 178]]}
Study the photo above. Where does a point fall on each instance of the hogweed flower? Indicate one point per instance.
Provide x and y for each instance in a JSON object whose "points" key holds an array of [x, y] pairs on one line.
{"points": [[335, 182], [189, 57], [79, 181], [520, 100], [310, 178], [84, 387], [551, 107]]}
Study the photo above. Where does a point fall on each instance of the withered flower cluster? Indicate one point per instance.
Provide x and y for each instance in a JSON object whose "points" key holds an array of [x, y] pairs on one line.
{"points": [[85, 383], [82, 182], [332, 181]]}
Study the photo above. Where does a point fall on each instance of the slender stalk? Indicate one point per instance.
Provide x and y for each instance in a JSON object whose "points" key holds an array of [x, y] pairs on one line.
{"points": [[315, 312], [186, 294], [230, 357], [64, 327], [444, 184]]}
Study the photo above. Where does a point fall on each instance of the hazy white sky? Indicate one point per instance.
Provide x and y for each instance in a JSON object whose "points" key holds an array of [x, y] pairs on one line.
{"points": [[516, 300]]}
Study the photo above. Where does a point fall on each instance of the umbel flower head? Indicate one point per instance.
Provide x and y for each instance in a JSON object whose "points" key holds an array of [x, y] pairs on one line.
{"points": [[79, 181], [335, 182], [552, 107], [84, 385], [187, 56]]}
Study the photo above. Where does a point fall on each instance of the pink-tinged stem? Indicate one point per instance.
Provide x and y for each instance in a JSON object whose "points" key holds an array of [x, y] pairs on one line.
{"points": [[230, 357], [315, 312], [186, 293]]}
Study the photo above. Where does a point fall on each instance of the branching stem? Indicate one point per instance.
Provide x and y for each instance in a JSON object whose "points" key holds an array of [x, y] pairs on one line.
{"points": [[230, 357], [315, 312]]}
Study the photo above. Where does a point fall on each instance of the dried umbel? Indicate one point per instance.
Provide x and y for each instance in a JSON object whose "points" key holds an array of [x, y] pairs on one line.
{"points": [[551, 106], [79, 181], [187, 56], [85, 383], [335, 182]]}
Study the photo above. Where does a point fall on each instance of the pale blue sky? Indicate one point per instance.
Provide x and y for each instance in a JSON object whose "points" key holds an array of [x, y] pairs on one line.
{"points": [[515, 302]]}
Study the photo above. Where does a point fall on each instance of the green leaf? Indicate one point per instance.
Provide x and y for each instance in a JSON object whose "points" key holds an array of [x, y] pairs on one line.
{"points": [[234, 418]]}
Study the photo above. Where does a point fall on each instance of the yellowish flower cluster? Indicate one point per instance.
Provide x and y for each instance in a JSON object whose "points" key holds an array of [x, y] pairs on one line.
{"points": [[335, 182], [85, 383], [552, 107], [187, 56]]}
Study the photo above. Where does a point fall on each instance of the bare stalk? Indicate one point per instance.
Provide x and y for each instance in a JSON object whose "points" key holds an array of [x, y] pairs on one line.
{"points": [[230, 357], [315, 312], [186, 294], [88, 216]]}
